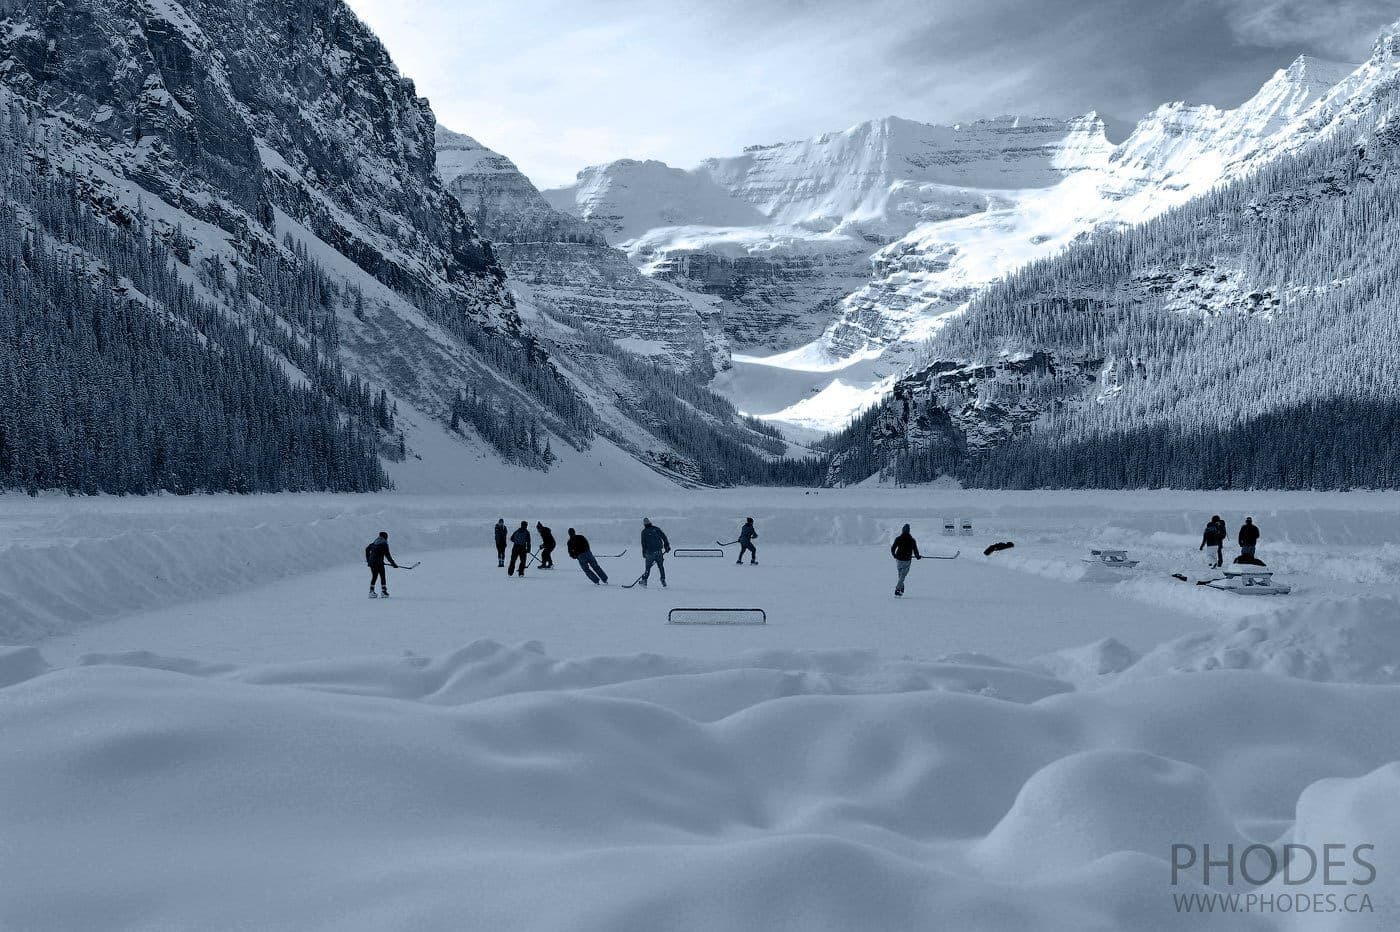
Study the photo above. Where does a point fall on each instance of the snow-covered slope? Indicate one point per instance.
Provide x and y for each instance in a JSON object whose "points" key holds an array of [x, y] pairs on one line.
{"points": [[923, 217], [291, 172]]}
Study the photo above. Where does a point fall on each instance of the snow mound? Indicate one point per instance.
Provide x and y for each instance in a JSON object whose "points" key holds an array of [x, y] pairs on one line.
{"points": [[1352, 640], [784, 790], [1086, 806]]}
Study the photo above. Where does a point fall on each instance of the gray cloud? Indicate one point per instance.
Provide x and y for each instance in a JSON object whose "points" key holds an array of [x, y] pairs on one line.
{"points": [[557, 84]]}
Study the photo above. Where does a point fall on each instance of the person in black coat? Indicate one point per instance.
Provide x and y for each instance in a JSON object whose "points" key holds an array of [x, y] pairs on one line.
{"points": [[579, 550], [501, 541], [546, 546], [519, 548], [376, 555], [655, 546], [1249, 538], [1214, 536], [747, 533], [905, 551]]}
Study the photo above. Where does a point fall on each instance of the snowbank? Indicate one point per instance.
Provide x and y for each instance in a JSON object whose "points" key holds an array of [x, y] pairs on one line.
{"points": [[785, 791]]}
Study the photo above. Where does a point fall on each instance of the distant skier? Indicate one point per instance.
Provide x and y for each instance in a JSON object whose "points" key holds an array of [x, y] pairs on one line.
{"points": [[546, 546], [905, 551], [519, 548], [579, 550], [655, 546], [376, 555], [1214, 536], [501, 541], [746, 538], [1249, 539]]}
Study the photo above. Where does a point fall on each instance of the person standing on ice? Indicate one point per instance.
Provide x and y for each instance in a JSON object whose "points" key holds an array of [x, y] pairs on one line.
{"points": [[578, 549], [1249, 539], [655, 546], [546, 546], [1214, 536], [501, 541], [519, 548], [905, 551], [376, 555], [746, 538]]}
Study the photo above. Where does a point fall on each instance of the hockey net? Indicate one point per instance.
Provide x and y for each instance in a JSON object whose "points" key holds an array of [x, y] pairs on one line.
{"points": [[716, 616]]}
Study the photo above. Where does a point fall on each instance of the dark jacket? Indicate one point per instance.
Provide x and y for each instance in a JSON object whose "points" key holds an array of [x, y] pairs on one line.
{"points": [[654, 540], [578, 546], [501, 535], [905, 547], [747, 532], [1249, 535], [546, 536], [521, 538], [377, 553], [1214, 534]]}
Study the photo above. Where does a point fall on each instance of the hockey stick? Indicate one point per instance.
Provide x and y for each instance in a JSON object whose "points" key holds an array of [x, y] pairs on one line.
{"points": [[612, 556], [634, 582], [722, 544], [410, 566], [936, 556]]}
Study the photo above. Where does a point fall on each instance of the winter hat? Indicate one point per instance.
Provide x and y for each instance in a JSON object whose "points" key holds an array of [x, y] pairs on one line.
{"points": [[647, 522], [906, 529], [384, 534], [525, 524], [571, 532]]}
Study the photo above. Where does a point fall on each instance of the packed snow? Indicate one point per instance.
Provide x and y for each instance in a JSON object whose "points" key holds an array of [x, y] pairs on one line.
{"points": [[208, 725]]}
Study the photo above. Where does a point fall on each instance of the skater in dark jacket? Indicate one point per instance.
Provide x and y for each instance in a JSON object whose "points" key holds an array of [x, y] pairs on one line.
{"points": [[519, 548], [376, 555], [905, 551], [655, 546], [501, 541], [546, 546], [1249, 538], [579, 550], [1214, 536], [746, 538]]}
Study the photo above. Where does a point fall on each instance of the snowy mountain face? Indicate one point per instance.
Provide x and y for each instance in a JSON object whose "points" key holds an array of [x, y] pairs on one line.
{"points": [[1244, 338], [564, 267], [871, 239], [286, 174]]}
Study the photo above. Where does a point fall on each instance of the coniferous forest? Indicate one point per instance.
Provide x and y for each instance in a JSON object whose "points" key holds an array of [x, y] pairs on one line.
{"points": [[117, 377]]}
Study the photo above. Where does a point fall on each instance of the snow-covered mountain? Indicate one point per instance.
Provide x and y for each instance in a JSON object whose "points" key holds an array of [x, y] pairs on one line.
{"points": [[280, 178], [1245, 338], [872, 237]]}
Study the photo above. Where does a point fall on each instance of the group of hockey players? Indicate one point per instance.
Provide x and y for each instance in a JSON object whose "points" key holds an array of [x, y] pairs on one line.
{"points": [[655, 547]]}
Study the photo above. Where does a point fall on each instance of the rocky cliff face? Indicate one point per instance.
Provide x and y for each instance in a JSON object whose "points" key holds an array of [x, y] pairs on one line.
{"points": [[232, 111], [564, 266]]}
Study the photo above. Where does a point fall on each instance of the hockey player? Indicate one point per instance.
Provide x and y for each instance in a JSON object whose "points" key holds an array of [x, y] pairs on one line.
{"points": [[546, 546], [1249, 539], [578, 549], [1214, 536], [501, 533], [519, 548], [655, 546], [905, 550], [746, 538], [376, 555]]}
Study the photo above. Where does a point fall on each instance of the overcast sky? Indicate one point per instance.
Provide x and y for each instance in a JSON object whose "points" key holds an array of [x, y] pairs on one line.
{"points": [[560, 84]]}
